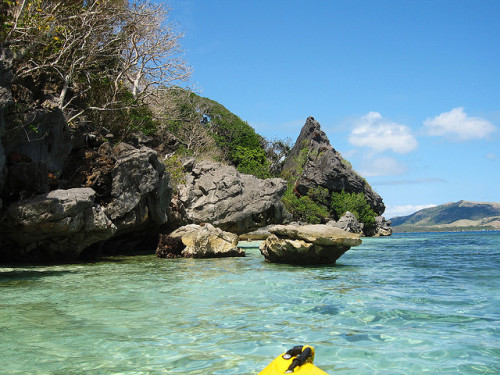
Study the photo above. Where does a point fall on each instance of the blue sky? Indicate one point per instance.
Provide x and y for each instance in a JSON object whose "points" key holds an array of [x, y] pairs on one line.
{"points": [[407, 91]]}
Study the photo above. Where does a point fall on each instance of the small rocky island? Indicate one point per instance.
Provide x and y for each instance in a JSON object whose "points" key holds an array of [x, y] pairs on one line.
{"points": [[70, 192]]}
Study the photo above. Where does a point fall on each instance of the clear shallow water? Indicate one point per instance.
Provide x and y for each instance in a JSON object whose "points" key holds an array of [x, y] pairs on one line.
{"points": [[407, 304]]}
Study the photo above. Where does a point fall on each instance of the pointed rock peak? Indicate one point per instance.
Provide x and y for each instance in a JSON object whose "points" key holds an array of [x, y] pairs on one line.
{"points": [[311, 131], [313, 162]]}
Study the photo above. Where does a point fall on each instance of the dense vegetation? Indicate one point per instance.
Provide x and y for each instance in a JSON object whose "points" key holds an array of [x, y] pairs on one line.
{"points": [[204, 127]]}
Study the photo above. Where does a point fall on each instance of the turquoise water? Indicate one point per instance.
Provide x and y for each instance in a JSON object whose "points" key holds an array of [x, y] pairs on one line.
{"points": [[407, 304]]}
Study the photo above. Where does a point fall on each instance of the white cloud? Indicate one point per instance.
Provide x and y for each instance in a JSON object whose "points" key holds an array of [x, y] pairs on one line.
{"points": [[373, 131], [383, 166], [458, 126], [491, 156], [393, 211]]}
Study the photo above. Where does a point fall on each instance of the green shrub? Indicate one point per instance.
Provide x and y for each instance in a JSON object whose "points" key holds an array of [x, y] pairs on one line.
{"points": [[251, 161], [299, 162], [197, 122], [355, 203], [175, 170], [320, 195], [303, 208]]}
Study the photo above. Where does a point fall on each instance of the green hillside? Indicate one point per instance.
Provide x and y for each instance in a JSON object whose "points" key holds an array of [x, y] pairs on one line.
{"points": [[462, 215]]}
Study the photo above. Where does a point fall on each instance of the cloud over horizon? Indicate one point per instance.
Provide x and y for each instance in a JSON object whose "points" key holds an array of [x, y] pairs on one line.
{"points": [[456, 125], [380, 134]]}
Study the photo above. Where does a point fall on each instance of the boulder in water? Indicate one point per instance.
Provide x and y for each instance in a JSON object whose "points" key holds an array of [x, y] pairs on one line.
{"points": [[307, 244], [200, 241], [382, 227]]}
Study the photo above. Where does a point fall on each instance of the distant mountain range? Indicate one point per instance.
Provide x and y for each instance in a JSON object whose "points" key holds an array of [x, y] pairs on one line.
{"points": [[458, 216]]}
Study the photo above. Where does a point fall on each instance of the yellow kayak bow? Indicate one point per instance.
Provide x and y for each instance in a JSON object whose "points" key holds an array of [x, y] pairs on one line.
{"points": [[298, 360]]}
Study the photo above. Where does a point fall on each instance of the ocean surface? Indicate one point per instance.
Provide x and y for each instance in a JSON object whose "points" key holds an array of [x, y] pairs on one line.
{"points": [[407, 304]]}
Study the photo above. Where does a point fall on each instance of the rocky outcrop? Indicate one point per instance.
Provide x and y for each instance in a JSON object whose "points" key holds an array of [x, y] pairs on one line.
{"points": [[220, 195], [78, 219], [348, 222], [307, 244], [317, 163], [199, 241], [53, 226], [35, 137], [382, 227], [36, 154], [2, 168], [140, 189]]}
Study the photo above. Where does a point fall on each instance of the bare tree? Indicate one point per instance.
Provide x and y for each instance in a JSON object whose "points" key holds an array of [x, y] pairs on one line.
{"points": [[182, 113], [102, 49], [152, 56]]}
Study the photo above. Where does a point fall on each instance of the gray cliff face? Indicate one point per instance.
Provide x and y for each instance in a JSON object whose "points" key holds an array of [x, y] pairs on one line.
{"points": [[53, 226], [65, 223], [238, 203], [35, 138], [323, 166], [140, 190]]}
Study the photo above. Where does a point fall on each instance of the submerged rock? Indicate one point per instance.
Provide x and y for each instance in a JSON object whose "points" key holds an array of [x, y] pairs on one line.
{"points": [[307, 244], [199, 241], [220, 195]]}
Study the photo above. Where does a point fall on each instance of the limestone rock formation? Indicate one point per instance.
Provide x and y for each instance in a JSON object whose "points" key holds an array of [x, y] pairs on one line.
{"points": [[307, 244], [140, 190], [319, 164], [199, 241], [348, 222], [382, 227], [137, 203], [220, 195], [53, 226]]}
